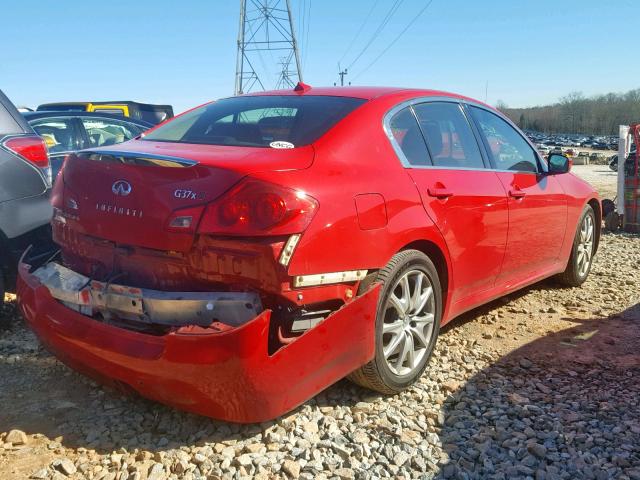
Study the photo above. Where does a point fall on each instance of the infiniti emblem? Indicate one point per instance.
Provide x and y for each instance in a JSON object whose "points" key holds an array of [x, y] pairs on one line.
{"points": [[121, 187]]}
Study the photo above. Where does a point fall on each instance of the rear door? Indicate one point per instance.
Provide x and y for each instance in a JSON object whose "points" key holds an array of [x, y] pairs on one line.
{"points": [[464, 198], [537, 203]]}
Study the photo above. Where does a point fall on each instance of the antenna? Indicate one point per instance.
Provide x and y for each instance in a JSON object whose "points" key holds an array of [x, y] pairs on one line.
{"points": [[266, 26]]}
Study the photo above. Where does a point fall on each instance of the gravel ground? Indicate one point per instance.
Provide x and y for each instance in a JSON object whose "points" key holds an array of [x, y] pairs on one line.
{"points": [[601, 176], [543, 384]]}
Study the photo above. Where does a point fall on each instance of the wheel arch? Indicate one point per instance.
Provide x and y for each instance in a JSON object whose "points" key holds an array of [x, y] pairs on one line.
{"points": [[597, 209], [439, 259]]}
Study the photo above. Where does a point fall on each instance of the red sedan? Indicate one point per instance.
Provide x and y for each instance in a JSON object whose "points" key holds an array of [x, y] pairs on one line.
{"points": [[239, 258]]}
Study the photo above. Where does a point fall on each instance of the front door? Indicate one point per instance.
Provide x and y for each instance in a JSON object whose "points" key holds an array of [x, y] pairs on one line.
{"points": [[537, 203]]}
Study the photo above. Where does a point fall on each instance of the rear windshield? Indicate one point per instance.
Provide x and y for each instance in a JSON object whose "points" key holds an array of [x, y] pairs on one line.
{"points": [[258, 121]]}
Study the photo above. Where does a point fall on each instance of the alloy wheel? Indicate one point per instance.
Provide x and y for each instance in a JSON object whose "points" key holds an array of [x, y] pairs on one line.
{"points": [[585, 245], [408, 322]]}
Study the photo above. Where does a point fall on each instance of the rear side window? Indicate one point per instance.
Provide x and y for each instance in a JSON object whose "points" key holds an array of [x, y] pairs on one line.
{"points": [[510, 151], [258, 121], [407, 134], [449, 137]]}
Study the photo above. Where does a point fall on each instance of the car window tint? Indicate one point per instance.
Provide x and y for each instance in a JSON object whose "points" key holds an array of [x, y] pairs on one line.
{"points": [[105, 132], [449, 136], [58, 133], [257, 121], [510, 151], [406, 132]]}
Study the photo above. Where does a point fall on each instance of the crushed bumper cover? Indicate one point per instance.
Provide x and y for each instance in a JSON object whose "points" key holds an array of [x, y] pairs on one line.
{"points": [[225, 375]]}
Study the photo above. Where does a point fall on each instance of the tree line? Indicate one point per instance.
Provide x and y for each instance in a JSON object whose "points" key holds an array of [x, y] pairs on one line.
{"points": [[575, 113]]}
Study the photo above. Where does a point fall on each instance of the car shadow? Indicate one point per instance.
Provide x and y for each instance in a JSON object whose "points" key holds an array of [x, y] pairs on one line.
{"points": [[562, 406]]}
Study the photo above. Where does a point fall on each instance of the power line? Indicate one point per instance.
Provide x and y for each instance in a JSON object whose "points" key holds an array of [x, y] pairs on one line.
{"points": [[306, 40], [375, 35], [357, 35], [414, 20]]}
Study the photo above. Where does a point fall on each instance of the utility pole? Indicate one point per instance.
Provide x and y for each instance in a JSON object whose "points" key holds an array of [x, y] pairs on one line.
{"points": [[342, 74], [266, 26]]}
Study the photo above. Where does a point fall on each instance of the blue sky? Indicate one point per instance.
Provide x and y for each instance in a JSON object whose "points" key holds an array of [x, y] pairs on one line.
{"points": [[184, 52]]}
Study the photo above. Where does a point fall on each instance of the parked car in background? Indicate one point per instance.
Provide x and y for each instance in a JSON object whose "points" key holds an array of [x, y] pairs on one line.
{"points": [[145, 112], [543, 149], [66, 132], [25, 183], [247, 254]]}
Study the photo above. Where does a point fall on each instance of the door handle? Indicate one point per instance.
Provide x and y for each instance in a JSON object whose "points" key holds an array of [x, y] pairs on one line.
{"points": [[439, 192], [516, 193]]}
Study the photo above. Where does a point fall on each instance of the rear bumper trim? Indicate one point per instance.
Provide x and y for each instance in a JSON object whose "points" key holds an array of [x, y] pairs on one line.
{"points": [[89, 297]]}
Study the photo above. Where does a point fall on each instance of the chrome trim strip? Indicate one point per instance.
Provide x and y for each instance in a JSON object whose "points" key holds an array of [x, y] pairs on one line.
{"points": [[185, 162], [386, 126]]}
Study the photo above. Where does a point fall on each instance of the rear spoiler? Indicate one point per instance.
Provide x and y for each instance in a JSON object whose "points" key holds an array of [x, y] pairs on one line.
{"points": [[136, 158]]}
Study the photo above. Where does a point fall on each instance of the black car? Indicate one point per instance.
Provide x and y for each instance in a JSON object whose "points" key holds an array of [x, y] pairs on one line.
{"points": [[65, 132]]}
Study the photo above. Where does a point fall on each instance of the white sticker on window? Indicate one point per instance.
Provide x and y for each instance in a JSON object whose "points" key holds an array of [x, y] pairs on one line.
{"points": [[280, 144]]}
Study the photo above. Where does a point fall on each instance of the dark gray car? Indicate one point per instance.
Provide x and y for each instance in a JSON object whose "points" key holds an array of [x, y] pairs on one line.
{"points": [[25, 184]]}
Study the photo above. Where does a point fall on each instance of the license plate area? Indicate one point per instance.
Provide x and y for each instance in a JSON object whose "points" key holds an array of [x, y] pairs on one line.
{"points": [[91, 297]]}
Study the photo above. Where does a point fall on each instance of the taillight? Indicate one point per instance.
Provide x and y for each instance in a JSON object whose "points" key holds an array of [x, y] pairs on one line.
{"points": [[31, 148], [255, 207], [34, 150]]}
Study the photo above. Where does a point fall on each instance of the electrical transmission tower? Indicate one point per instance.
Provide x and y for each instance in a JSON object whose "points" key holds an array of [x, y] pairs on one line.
{"points": [[266, 26]]}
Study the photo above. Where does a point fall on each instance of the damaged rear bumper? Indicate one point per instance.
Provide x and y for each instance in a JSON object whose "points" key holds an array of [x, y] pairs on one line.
{"points": [[145, 306], [228, 375]]}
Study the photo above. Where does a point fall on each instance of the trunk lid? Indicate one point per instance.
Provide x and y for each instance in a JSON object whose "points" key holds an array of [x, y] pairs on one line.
{"points": [[129, 195]]}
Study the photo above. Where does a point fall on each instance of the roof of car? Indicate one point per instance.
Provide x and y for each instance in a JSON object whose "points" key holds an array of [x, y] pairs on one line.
{"points": [[364, 92], [106, 102], [67, 113]]}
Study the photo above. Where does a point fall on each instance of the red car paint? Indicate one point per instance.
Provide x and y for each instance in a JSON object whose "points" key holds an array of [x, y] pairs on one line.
{"points": [[488, 232]]}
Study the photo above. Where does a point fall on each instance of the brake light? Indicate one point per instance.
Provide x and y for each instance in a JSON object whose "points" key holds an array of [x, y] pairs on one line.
{"points": [[30, 148], [255, 207]]}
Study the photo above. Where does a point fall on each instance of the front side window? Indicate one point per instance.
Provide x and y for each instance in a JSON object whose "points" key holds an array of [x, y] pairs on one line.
{"points": [[58, 133], [257, 121], [510, 151], [448, 135], [105, 132], [407, 134]]}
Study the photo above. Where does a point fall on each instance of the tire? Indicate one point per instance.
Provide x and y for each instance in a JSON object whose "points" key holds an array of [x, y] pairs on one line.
{"points": [[607, 207], [583, 244], [612, 222], [414, 332]]}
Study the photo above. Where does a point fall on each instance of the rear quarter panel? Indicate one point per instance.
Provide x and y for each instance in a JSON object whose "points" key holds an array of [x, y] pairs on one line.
{"points": [[356, 158]]}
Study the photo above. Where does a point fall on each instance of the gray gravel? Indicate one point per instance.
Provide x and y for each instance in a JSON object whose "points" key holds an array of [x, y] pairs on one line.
{"points": [[541, 385]]}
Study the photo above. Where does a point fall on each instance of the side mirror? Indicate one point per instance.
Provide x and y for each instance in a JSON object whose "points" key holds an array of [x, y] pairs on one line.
{"points": [[558, 164]]}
